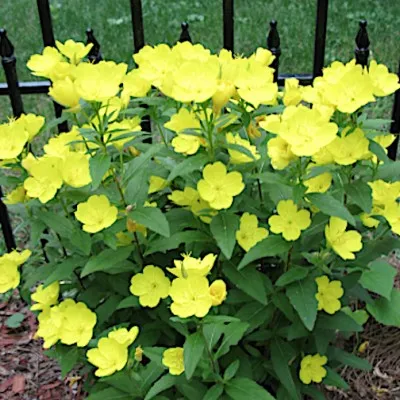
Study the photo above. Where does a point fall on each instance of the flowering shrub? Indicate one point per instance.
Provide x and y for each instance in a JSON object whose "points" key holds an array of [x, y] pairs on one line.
{"points": [[225, 258]]}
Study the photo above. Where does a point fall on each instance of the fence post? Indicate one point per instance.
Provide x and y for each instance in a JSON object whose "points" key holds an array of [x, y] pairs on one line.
{"points": [[274, 46], [185, 35], [362, 44], [320, 37], [137, 24], [8, 61], [229, 18], [94, 55], [395, 126], [46, 26]]}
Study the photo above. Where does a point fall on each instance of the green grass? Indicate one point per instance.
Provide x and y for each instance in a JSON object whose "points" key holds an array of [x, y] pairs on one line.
{"points": [[112, 24]]}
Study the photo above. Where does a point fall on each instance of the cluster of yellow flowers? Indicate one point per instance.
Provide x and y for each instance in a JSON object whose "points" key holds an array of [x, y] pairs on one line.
{"points": [[9, 274], [190, 291]]}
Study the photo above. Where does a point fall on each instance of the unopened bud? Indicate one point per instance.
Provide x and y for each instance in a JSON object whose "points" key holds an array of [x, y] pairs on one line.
{"points": [[138, 354]]}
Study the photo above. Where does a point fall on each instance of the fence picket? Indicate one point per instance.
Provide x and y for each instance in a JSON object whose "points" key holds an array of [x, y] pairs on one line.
{"points": [[228, 25], [320, 37], [94, 55], [137, 24], [274, 46], [395, 126], [362, 44], [185, 34]]}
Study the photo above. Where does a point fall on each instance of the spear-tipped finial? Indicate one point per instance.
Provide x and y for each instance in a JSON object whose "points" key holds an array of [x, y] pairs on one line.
{"points": [[6, 47], [185, 35]]}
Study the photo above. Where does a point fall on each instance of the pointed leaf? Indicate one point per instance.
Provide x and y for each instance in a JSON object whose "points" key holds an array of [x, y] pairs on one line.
{"points": [[99, 165], [164, 383], [151, 218], [361, 194], [245, 389], [223, 227], [192, 351], [294, 274], [385, 311], [233, 333]]}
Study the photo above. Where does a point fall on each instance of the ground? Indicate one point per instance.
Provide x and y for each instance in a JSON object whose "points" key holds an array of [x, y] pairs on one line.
{"points": [[25, 372]]}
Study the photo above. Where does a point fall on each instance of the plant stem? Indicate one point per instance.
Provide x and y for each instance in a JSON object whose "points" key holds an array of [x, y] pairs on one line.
{"points": [[214, 366]]}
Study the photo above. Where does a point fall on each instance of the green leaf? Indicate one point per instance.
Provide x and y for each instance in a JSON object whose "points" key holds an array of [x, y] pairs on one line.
{"points": [[99, 165], [319, 170], [361, 194], [151, 218], [281, 356], [230, 372], [385, 311], [278, 192], [64, 270], [375, 249], [294, 274], [212, 333], [82, 241], [15, 320], [271, 246], [313, 392], [106, 260], [379, 151], [255, 314], [330, 206], [377, 124], [390, 171], [215, 392], [59, 224], [360, 316], [232, 335], [223, 227], [334, 379], [192, 352], [164, 383], [349, 359], [241, 149], [245, 389], [338, 322], [163, 244], [129, 302], [109, 394], [136, 189], [301, 295], [379, 278], [68, 360], [193, 389], [249, 280], [193, 163]]}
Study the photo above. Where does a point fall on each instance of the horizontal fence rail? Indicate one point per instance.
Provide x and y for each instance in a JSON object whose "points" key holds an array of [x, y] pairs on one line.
{"points": [[15, 89]]}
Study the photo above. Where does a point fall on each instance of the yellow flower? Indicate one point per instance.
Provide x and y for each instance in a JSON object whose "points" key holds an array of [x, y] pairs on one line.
{"points": [[9, 275], [293, 92], [368, 221], [31, 123], [18, 195], [190, 52], [312, 370], [74, 51], [157, 184], [45, 178], [183, 119], [78, 323], [109, 356], [50, 324], [16, 257], [271, 123], [135, 85], [250, 233], [225, 90], [237, 157], [192, 81], [383, 82], [44, 64], [190, 296], [289, 221], [320, 183], [323, 156], [99, 82], [151, 286], [117, 129], [218, 292], [123, 239], [61, 145], [306, 130], [110, 109], [343, 243], [45, 297], [255, 85], [349, 148], [186, 144], [262, 56], [64, 92], [75, 170], [13, 138], [280, 153], [384, 193], [253, 131], [123, 336], [191, 266], [173, 360], [186, 197], [392, 214], [329, 293], [96, 214], [219, 187]]}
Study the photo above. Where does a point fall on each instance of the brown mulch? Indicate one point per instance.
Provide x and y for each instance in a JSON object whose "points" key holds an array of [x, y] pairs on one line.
{"points": [[25, 372]]}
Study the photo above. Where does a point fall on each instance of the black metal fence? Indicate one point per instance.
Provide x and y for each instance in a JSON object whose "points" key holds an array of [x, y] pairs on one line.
{"points": [[15, 89]]}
